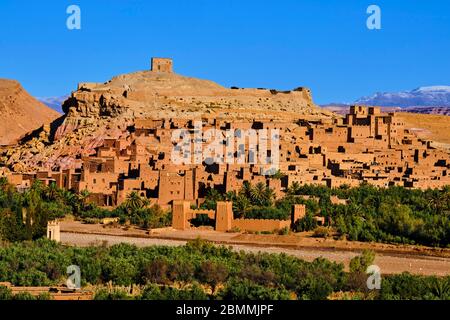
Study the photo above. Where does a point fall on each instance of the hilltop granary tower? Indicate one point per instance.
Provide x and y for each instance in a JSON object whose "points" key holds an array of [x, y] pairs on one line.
{"points": [[162, 65]]}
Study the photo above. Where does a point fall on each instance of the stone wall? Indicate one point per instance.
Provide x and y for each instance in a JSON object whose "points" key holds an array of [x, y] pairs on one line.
{"points": [[224, 220], [259, 225]]}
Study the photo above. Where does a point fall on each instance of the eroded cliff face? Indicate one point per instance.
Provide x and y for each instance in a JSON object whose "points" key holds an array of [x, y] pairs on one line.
{"points": [[96, 111]]}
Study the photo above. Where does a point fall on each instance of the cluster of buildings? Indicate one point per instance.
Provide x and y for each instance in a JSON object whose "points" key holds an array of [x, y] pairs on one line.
{"points": [[366, 145]]}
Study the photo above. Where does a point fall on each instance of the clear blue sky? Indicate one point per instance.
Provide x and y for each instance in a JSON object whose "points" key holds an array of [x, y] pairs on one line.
{"points": [[324, 45]]}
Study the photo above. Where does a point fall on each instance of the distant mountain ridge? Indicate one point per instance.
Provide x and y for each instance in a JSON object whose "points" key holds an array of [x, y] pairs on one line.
{"points": [[53, 102], [432, 96], [426, 100]]}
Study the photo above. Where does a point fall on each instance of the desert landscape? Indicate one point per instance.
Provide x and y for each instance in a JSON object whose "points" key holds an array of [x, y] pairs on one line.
{"points": [[104, 175], [208, 157]]}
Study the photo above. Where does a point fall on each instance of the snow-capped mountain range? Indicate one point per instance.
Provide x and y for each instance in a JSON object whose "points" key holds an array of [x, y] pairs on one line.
{"points": [[433, 96], [429, 100]]}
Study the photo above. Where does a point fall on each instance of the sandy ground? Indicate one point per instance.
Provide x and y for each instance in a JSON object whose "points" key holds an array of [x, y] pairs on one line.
{"points": [[429, 126], [390, 258]]}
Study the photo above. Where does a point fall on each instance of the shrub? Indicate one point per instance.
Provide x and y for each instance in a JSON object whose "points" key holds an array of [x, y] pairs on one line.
{"points": [[156, 271], [321, 232], [23, 296], [259, 212], [284, 231], [115, 294], [212, 273], [44, 296], [362, 262], [234, 230], [120, 271], [238, 289], [307, 223], [5, 293], [155, 292]]}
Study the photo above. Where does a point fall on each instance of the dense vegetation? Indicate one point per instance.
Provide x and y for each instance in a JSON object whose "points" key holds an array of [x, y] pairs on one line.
{"points": [[200, 270], [394, 214], [135, 210], [252, 202], [24, 216]]}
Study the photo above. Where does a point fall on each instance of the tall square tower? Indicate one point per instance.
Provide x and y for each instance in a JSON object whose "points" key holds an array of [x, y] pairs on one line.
{"points": [[162, 65]]}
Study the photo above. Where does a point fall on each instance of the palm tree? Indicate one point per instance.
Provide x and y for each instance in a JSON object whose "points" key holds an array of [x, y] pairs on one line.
{"points": [[213, 195], [32, 210], [230, 196], [269, 195], [82, 198], [446, 198], [71, 200], [294, 189], [37, 186], [257, 194], [262, 195], [135, 202], [51, 192], [241, 205], [246, 189], [7, 193], [436, 201], [440, 288]]}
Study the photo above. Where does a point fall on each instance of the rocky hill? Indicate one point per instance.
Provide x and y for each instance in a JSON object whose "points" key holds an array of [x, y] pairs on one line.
{"points": [[20, 112], [96, 111], [157, 95]]}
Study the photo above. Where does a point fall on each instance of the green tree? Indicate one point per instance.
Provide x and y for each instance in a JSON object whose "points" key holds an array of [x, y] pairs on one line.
{"points": [[307, 223], [244, 289], [212, 274], [294, 189], [134, 202], [5, 293], [362, 262], [261, 195]]}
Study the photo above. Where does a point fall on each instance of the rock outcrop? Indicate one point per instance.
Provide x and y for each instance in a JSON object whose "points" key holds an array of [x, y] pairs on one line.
{"points": [[168, 95]]}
